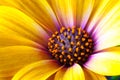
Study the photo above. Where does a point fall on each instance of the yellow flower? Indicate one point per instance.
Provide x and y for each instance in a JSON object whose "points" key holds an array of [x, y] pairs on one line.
{"points": [[59, 39]]}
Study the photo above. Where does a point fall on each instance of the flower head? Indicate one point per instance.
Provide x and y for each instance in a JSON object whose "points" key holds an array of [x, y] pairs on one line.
{"points": [[59, 40], [71, 46]]}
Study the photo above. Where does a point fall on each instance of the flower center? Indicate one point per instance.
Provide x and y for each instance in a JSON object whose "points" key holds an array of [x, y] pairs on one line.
{"points": [[70, 46]]}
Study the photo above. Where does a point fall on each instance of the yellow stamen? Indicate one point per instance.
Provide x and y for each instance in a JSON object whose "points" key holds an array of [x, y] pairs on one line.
{"points": [[77, 49], [70, 49], [68, 56], [82, 53], [76, 37], [75, 54]]}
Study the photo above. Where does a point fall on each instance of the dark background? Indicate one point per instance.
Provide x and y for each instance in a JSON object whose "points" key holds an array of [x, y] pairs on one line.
{"points": [[113, 78]]}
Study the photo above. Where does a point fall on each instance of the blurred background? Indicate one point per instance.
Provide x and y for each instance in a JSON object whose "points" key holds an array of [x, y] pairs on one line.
{"points": [[113, 77]]}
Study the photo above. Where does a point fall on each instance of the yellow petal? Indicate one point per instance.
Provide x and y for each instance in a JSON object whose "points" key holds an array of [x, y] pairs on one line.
{"points": [[104, 23], [65, 11], [51, 77], [107, 31], [38, 71], [74, 73], [101, 10], [15, 23], [106, 62], [109, 39], [84, 10], [9, 38], [59, 75], [39, 10], [89, 75], [5, 78], [15, 57]]}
